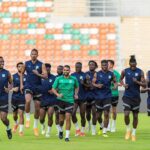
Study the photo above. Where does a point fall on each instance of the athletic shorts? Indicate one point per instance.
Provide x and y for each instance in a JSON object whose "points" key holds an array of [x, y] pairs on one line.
{"points": [[103, 104], [114, 101], [4, 103], [65, 107], [79, 102], [36, 95], [18, 104], [131, 104]]}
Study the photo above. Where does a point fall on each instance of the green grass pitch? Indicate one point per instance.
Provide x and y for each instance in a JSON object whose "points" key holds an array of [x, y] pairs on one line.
{"points": [[115, 141]]}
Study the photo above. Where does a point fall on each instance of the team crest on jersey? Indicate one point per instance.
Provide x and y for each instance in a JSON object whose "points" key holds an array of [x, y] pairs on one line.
{"points": [[50, 80], [17, 79], [24, 79], [37, 67], [109, 77], [136, 74], [81, 77], [3, 75]]}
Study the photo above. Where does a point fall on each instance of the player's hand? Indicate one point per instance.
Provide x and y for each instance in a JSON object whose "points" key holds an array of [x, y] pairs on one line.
{"points": [[59, 95], [50, 92], [35, 72], [21, 89], [100, 86], [126, 86], [6, 89], [76, 96], [15, 89]]}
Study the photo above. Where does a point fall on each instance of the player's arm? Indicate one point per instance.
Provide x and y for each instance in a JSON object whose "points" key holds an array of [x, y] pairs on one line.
{"points": [[94, 82], [43, 74], [76, 89], [114, 80], [146, 89], [54, 88], [142, 82]]}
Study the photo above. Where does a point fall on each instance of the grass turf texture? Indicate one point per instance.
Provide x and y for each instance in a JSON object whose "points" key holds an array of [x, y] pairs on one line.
{"points": [[115, 141]]}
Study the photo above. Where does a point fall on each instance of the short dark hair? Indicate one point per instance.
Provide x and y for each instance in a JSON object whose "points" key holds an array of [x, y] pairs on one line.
{"points": [[132, 59], [104, 61], [60, 66], [92, 61], [67, 66], [1, 57], [19, 63], [47, 65], [35, 50], [111, 61], [79, 63]]}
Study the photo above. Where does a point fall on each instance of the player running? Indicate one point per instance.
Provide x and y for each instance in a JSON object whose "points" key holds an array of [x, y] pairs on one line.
{"points": [[66, 89], [134, 78]]}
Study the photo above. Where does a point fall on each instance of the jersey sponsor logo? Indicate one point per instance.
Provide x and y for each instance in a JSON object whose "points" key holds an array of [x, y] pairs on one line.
{"points": [[70, 81], [24, 79], [3, 75], [17, 78], [109, 77]]}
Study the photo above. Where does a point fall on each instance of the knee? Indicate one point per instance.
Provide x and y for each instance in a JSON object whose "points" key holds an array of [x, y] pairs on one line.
{"points": [[42, 121]]}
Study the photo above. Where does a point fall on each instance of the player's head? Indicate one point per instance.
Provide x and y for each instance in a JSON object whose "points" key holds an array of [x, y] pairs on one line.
{"points": [[66, 70], [34, 54], [48, 67], [92, 65], [132, 62], [1, 62], [78, 66], [104, 65], [111, 64], [19, 66], [60, 70]]}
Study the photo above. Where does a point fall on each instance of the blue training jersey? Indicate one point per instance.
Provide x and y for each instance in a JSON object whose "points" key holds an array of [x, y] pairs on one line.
{"points": [[16, 83], [33, 79], [4, 74], [133, 90], [104, 78], [80, 77]]}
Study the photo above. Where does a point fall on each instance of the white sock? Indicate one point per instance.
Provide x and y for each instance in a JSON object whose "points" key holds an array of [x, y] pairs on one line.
{"points": [[104, 130], [94, 128], [16, 122], [48, 129], [35, 123], [28, 116], [109, 124], [8, 127], [133, 131], [21, 128], [76, 126], [43, 126], [128, 128], [67, 133], [101, 125], [57, 127], [82, 129], [113, 123], [60, 129]]}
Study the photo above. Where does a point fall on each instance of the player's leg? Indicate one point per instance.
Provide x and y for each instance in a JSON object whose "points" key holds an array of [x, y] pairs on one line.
{"points": [[15, 117], [21, 120], [74, 119], [88, 115], [28, 98], [56, 119], [50, 120], [100, 120], [5, 121], [94, 119], [82, 115], [42, 119]]}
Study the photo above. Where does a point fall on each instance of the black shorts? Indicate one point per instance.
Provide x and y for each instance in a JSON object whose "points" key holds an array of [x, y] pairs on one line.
{"points": [[4, 103], [103, 104], [80, 102], [18, 104], [36, 96], [131, 104], [90, 103], [65, 107], [148, 109], [114, 101]]}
